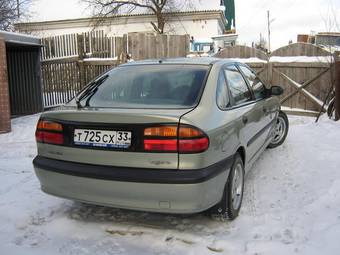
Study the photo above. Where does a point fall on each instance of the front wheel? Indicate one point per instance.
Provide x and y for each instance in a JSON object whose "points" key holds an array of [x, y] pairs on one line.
{"points": [[230, 205], [281, 130]]}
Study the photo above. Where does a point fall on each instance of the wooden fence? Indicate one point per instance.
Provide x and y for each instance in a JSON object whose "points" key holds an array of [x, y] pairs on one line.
{"points": [[151, 46], [305, 71], [69, 62], [94, 44]]}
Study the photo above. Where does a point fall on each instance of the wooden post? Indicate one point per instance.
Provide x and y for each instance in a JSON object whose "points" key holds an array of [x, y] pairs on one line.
{"points": [[5, 108], [125, 47], [337, 84], [122, 50], [269, 74], [80, 45]]}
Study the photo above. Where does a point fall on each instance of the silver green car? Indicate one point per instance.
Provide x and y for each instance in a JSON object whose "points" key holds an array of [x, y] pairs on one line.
{"points": [[170, 135]]}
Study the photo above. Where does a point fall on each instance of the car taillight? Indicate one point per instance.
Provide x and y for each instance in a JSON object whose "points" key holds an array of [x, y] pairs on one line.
{"points": [[193, 145], [49, 132], [160, 145], [171, 138]]}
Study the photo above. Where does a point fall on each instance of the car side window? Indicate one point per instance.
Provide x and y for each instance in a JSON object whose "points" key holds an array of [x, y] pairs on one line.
{"points": [[254, 82], [222, 95], [237, 85]]}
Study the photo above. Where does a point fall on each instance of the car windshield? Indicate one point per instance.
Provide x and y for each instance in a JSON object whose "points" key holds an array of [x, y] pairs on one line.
{"points": [[149, 86]]}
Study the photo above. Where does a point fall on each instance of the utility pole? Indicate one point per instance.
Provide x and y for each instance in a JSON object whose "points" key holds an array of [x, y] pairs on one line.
{"points": [[268, 16], [269, 21]]}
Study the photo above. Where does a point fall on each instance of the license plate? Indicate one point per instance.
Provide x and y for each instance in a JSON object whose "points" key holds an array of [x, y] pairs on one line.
{"points": [[102, 138]]}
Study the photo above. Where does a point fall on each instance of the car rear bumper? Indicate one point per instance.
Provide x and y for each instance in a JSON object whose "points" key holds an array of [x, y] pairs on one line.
{"points": [[170, 191]]}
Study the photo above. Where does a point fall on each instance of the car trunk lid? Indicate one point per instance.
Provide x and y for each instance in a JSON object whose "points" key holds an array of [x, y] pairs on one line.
{"points": [[133, 121]]}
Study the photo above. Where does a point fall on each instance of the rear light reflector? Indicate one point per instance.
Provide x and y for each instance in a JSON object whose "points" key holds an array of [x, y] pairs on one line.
{"points": [[188, 139], [161, 145]]}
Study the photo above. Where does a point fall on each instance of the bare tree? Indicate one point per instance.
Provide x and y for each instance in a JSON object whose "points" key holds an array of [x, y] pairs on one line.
{"points": [[261, 44], [11, 11], [160, 8]]}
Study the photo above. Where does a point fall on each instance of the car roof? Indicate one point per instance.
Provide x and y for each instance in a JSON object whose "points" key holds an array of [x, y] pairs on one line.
{"points": [[192, 61]]}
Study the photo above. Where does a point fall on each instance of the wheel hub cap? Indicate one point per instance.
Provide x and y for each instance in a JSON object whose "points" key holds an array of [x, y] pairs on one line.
{"points": [[237, 186], [279, 131]]}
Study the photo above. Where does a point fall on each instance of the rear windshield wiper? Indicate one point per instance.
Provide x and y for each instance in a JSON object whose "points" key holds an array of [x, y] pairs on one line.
{"points": [[89, 90]]}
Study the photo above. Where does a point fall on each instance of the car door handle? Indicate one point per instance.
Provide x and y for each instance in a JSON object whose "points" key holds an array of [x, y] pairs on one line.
{"points": [[265, 110], [245, 119]]}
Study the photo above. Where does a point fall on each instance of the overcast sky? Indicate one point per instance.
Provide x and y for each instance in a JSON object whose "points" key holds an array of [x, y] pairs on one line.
{"points": [[291, 16]]}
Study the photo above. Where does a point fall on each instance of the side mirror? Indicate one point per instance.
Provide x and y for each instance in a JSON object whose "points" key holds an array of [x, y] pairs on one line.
{"points": [[276, 91]]}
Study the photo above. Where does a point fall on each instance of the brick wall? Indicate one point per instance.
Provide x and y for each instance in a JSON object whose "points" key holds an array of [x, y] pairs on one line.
{"points": [[5, 115]]}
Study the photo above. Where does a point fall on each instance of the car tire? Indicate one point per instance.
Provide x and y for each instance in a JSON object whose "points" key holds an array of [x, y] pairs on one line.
{"points": [[281, 130], [229, 206]]}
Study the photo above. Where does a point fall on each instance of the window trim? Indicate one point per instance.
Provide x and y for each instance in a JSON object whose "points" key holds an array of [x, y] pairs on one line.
{"points": [[232, 101], [221, 71], [244, 77]]}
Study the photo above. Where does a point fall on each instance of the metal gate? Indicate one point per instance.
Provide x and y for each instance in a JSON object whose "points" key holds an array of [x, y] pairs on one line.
{"points": [[24, 79]]}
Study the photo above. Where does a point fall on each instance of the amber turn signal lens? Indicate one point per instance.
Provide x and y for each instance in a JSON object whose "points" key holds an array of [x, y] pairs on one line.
{"points": [[186, 132], [162, 131], [49, 125], [171, 131], [165, 139]]}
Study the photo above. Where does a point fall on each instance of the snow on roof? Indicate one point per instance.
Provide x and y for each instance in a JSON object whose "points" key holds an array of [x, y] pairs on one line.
{"points": [[19, 38], [141, 14], [6, 33], [224, 36]]}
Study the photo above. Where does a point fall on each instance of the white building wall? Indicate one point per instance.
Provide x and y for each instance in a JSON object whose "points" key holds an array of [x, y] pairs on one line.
{"points": [[198, 28], [195, 28]]}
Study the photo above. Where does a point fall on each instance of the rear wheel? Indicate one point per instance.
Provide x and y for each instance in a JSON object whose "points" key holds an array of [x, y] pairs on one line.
{"points": [[230, 205], [281, 130]]}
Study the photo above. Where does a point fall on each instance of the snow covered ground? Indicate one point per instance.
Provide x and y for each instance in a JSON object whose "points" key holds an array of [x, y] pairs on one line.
{"points": [[291, 206]]}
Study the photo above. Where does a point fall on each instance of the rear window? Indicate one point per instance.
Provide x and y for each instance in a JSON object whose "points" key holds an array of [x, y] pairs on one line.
{"points": [[150, 86]]}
